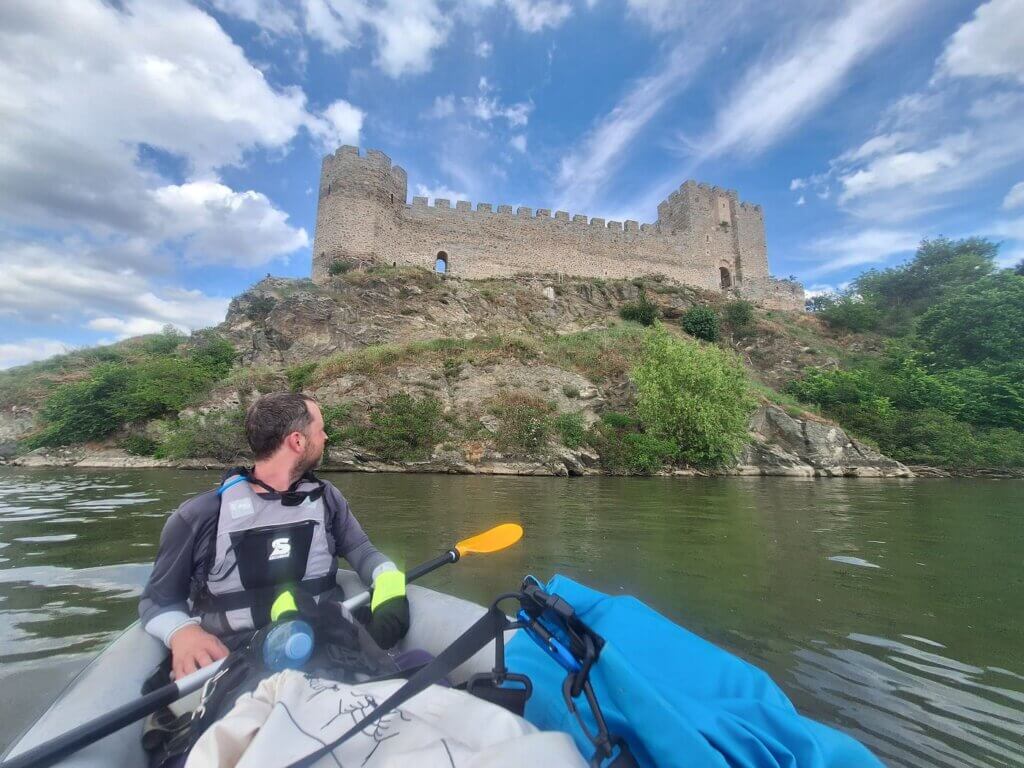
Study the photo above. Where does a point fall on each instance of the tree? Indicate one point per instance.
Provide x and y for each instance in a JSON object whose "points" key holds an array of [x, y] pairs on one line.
{"points": [[694, 396], [984, 323]]}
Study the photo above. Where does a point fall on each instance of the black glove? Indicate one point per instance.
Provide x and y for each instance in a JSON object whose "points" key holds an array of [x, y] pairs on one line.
{"points": [[389, 623]]}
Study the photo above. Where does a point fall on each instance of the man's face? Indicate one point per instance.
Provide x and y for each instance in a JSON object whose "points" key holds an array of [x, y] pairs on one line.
{"points": [[316, 438]]}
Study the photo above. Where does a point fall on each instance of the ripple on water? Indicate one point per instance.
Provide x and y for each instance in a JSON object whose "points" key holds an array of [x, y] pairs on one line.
{"points": [[916, 707], [848, 560], [47, 539]]}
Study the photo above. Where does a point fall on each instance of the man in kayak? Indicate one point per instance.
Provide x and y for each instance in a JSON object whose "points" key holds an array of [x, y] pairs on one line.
{"points": [[227, 554]]}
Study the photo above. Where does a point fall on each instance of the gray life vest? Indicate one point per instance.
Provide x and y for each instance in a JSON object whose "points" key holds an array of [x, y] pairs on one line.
{"points": [[263, 547]]}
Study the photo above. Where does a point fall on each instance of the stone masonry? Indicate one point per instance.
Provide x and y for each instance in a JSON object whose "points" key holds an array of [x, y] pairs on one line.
{"points": [[704, 236]]}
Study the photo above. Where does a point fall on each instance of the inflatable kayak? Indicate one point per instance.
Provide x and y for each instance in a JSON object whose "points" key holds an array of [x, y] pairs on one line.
{"points": [[653, 689], [117, 674]]}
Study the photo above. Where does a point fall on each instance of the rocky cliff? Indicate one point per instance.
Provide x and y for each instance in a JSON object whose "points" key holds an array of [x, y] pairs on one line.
{"points": [[556, 345]]}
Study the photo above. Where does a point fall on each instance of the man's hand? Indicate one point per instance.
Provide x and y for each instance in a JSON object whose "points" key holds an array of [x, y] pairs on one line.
{"points": [[193, 647]]}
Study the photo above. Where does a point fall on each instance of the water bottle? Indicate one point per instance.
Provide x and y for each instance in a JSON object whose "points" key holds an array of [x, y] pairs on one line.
{"points": [[288, 645]]}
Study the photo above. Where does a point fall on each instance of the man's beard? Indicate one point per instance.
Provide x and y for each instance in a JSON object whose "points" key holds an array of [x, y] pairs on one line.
{"points": [[309, 460]]}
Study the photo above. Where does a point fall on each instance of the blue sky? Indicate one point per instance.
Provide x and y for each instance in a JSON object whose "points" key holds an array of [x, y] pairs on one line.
{"points": [[158, 157]]}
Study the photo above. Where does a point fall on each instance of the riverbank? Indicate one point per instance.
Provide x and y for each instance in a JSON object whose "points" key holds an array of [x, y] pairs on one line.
{"points": [[780, 446]]}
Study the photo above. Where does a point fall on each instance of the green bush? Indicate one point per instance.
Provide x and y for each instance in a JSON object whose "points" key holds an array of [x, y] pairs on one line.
{"points": [[701, 323], [340, 267], [642, 311], [625, 450], [300, 375], [139, 445], [404, 428], [164, 343], [524, 422], [739, 315], [570, 429], [337, 422], [219, 435], [119, 393], [696, 397]]}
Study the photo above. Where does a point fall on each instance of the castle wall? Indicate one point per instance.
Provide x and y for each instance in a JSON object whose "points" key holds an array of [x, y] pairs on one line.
{"points": [[363, 216]]}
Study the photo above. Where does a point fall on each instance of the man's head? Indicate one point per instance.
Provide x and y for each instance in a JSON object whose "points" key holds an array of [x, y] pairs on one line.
{"points": [[286, 428]]}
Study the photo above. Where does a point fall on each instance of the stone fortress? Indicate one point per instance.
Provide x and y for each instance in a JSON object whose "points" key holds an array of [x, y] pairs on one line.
{"points": [[704, 236]]}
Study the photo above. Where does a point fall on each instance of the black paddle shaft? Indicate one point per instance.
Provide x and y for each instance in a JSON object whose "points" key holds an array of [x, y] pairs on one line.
{"points": [[451, 556], [56, 749]]}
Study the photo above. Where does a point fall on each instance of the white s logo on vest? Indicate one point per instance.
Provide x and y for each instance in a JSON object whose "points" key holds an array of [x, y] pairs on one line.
{"points": [[280, 548]]}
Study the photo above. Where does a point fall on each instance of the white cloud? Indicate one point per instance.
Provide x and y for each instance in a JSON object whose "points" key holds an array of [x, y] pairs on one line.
{"points": [[271, 15], [340, 123], [899, 169], [114, 87], [220, 226], [443, 106], [406, 32], [800, 200], [776, 96], [1015, 197], [869, 246], [440, 191], [484, 49], [518, 143], [991, 44], [77, 285], [29, 350], [536, 15], [796, 184], [932, 145]]}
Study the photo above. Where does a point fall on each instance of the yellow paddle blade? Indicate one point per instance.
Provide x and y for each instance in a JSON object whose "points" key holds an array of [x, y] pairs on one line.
{"points": [[498, 538]]}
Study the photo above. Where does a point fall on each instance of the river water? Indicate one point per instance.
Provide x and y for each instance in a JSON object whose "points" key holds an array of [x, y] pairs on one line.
{"points": [[891, 609]]}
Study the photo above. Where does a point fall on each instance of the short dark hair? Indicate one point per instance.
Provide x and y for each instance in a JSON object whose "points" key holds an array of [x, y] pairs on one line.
{"points": [[273, 417]]}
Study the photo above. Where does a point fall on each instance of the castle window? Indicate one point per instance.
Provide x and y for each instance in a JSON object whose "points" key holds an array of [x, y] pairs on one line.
{"points": [[392, 198], [441, 263], [726, 278]]}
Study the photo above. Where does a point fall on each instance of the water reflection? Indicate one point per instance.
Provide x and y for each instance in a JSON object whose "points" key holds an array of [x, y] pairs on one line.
{"points": [[893, 610]]}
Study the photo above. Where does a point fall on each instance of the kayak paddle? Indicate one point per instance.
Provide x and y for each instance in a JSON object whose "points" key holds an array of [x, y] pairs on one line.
{"points": [[494, 540]]}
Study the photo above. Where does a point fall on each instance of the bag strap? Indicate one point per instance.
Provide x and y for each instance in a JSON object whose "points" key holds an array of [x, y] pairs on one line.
{"points": [[486, 629]]}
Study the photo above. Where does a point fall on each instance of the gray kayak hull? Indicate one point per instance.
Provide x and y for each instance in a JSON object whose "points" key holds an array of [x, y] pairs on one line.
{"points": [[116, 675]]}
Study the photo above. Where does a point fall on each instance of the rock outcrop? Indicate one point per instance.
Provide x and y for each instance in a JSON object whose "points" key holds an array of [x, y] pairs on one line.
{"points": [[804, 447]]}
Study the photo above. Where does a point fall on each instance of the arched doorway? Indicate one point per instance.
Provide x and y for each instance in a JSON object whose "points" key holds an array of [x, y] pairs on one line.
{"points": [[441, 263], [726, 278]]}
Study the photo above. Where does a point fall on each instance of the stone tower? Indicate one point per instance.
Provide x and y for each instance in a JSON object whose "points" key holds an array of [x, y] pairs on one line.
{"points": [[359, 198]]}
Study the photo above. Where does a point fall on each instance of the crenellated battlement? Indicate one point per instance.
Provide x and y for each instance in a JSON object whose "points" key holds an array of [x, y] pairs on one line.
{"points": [[542, 216], [704, 235]]}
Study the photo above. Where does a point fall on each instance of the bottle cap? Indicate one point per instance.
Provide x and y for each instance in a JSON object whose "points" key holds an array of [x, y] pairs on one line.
{"points": [[298, 646]]}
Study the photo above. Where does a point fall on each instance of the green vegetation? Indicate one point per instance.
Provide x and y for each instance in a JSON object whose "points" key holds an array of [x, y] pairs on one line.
{"points": [[340, 267], [219, 435], [701, 323], [625, 449], [299, 376], [949, 389], [739, 316], [139, 445], [694, 396], [524, 422], [113, 394], [571, 430], [642, 311], [403, 428], [598, 355]]}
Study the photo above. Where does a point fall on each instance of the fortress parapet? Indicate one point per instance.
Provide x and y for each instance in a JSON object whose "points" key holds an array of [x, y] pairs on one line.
{"points": [[704, 235]]}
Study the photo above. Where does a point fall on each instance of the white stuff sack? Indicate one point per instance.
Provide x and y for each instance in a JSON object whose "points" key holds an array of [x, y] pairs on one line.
{"points": [[290, 716]]}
